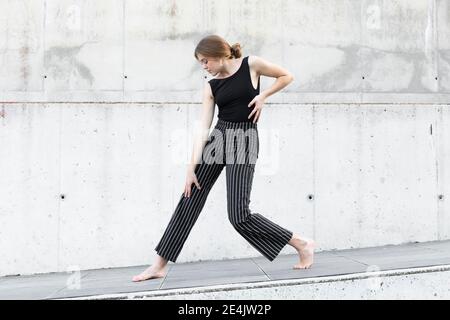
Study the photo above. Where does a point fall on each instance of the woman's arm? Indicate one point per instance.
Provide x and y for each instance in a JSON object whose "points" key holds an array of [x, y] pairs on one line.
{"points": [[269, 69], [201, 132], [263, 67]]}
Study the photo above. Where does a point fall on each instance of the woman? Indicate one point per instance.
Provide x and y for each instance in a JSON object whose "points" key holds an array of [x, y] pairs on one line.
{"points": [[233, 144]]}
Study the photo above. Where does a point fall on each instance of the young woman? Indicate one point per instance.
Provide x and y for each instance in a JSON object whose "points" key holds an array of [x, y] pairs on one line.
{"points": [[233, 145]]}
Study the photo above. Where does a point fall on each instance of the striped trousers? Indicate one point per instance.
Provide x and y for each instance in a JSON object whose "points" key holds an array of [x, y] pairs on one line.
{"points": [[235, 146]]}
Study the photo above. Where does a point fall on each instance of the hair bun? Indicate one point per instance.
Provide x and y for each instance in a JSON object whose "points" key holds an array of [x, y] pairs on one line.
{"points": [[236, 50]]}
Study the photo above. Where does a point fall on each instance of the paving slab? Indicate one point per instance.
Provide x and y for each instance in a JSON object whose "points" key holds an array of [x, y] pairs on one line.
{"points": [[112, 281]]}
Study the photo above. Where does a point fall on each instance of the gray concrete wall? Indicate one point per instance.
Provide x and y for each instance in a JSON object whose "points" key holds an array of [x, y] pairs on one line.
{"points": [[349, 175], [99, 101], [118, 50]]}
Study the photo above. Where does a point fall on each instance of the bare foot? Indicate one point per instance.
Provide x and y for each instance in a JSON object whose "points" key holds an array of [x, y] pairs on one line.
{"points": [[152, 272], [305, 248]]}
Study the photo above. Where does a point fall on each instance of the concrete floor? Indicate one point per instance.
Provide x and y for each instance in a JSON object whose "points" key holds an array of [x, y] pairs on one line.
{"points": [[225, 272]]}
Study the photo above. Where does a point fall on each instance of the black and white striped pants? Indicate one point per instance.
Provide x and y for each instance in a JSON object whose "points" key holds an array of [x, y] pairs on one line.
{"points": [[235, 146]]}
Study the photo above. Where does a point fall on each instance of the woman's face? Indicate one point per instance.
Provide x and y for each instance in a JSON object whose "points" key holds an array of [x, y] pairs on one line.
{"points": [[211, 65]]}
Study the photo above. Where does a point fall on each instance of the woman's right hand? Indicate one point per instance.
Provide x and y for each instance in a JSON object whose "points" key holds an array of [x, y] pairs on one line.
{"points": [[190, 179]]}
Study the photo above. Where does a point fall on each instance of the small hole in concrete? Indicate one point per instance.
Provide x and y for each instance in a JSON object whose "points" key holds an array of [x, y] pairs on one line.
{"points": [[310, 197], [63, 196], [441, 196]]}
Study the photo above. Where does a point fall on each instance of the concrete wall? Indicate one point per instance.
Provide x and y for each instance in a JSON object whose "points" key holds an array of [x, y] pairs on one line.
{"points": [[99, 101], [374, 172], [122, 50]]}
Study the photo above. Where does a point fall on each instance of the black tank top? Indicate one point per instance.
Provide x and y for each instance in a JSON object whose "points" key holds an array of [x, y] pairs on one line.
{"points": [[233, 94]]}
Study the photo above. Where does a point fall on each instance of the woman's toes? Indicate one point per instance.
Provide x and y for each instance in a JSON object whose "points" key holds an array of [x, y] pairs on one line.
{"points": [[136, 278]]}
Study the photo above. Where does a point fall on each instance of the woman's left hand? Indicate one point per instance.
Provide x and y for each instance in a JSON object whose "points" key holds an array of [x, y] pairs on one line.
{"points": [[259, 102]]}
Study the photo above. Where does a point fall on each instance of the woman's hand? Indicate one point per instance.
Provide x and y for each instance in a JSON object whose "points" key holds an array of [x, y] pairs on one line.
{"points": [[190, 179], [259, 102]]}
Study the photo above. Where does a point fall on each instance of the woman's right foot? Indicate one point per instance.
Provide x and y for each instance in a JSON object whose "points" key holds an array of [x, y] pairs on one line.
{"points": [[151, 272]]}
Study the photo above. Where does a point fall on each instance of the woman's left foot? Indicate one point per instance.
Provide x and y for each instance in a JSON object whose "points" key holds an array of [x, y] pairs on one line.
{"points": [[305, 248]]}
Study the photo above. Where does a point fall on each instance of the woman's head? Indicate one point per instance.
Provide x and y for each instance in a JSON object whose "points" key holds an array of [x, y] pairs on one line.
{"points": [[213, 49]]}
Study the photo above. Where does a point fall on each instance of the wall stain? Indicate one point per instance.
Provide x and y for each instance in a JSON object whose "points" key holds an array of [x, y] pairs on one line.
{"points": [[62, 62]]}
